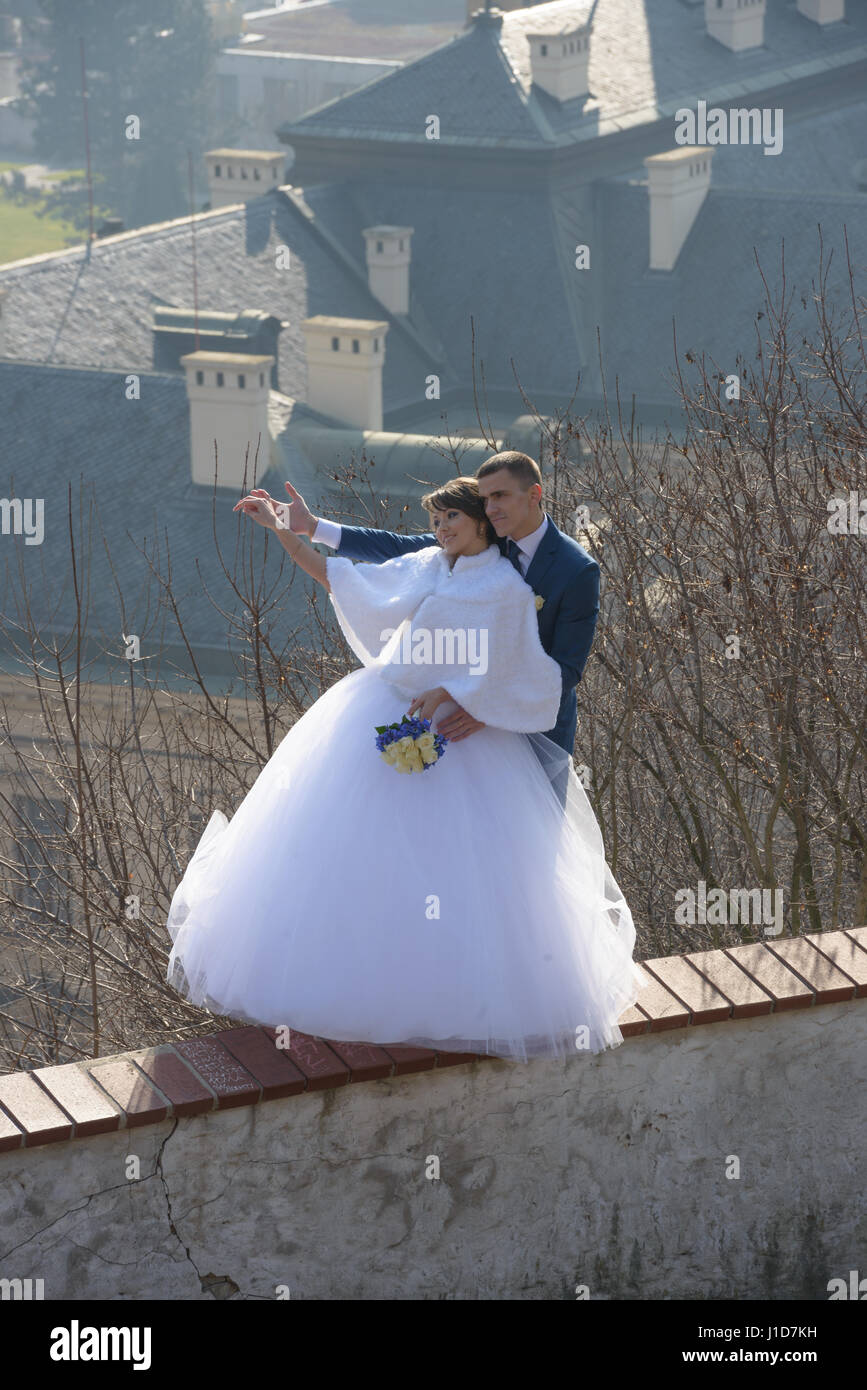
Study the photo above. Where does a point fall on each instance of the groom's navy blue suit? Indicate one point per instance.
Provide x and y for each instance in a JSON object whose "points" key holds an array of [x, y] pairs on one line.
{"points": [[561, 571]]}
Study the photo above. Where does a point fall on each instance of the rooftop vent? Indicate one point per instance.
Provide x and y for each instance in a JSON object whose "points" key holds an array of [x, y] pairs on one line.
{"points": [[344, 368], [678, 182], [388, 255], [228, 398], [236, 176], [823, 11], [559, 56], [739, 24]]}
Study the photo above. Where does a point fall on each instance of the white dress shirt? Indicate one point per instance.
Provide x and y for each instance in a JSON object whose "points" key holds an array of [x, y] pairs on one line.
{"points": [[528, 545], [329, 533]]}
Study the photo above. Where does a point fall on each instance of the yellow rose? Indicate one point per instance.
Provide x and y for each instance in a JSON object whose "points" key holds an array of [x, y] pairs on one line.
{"points": [[429, 755], [539, 602], [424, 741]]}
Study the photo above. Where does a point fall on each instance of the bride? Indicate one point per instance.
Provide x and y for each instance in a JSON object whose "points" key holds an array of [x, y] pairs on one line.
{"points": [[469, 908]]}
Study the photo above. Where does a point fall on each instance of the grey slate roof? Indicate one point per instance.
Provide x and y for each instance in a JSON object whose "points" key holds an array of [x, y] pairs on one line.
{"points": [[507, 258], [62, 425], [66, 309], [492, 255], [646, 56], [819, 155], [467, 82], [715, 290]]}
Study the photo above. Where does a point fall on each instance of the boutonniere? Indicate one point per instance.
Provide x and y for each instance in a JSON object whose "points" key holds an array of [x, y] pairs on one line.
{"points": [[539, 601]]}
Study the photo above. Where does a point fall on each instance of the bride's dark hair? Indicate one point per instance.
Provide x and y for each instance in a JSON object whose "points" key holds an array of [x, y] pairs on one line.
{"points": [[462, 494]]}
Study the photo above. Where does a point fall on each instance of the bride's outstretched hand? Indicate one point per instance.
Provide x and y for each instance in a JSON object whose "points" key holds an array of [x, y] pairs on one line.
{"points": [[260, 506]]}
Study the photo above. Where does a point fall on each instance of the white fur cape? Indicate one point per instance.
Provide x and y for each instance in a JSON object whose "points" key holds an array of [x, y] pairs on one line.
{"points": [[488, 654]]}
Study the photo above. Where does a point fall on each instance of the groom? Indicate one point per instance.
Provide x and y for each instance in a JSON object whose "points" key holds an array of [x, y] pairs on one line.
{"points": [[552, 563]]}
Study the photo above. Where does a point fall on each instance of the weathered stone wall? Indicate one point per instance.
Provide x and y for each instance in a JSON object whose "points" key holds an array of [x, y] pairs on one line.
{"points": [[609, 1172]]}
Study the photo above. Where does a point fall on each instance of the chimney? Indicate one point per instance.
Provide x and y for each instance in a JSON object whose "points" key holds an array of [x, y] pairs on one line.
{"points": [[344, 368], [388, 253], [739, 24], [228, 396], [677, 183], [559, 54], [235, 176], [823, 11]]}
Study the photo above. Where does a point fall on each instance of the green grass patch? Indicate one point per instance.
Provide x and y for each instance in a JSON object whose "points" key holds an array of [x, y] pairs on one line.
{"points": [[24, 233], [26, 230]]}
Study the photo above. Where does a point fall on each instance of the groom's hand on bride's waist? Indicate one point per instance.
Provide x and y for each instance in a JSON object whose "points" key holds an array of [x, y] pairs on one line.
{"points": [[459, 725], [456, 725]]}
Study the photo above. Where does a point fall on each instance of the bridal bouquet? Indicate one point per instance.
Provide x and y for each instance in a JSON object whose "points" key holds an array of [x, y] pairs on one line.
{"points": [[409, 746]]}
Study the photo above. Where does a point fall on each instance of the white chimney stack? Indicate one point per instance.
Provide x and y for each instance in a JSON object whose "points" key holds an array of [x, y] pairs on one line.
{"points": [[228, 395], [739, 24], [235, 176], [345, 358], [823, 11], [559, 57], [388, 255], [678, 182]]}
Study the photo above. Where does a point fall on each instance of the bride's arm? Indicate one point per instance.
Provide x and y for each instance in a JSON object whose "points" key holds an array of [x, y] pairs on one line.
{"points": [[261, 508], [303, 554]]}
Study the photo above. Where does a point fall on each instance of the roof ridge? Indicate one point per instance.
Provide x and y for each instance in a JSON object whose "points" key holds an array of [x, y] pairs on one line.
{"points": [[529, 98], [302, 121], [726, 190], [296, 201], [150, 229], [339, 116]]}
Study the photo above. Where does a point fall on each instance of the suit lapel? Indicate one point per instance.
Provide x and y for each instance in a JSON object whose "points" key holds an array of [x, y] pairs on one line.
{"points": [[544, 558]]}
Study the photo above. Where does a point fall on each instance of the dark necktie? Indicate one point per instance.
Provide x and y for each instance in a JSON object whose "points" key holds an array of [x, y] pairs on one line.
{"points": [[513, 553]]}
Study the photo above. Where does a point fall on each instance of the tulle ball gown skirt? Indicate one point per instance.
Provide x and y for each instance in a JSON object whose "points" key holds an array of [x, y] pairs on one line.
{"points": [[469, 907]]}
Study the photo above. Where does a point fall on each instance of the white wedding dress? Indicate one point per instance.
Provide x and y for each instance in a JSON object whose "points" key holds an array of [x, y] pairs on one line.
{"points": [[469, 907]]}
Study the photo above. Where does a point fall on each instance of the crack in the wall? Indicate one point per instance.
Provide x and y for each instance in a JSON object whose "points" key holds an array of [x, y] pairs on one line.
{"points": [[82, 1206], [4, 1254], [119, 1264], [219, 1286]]}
